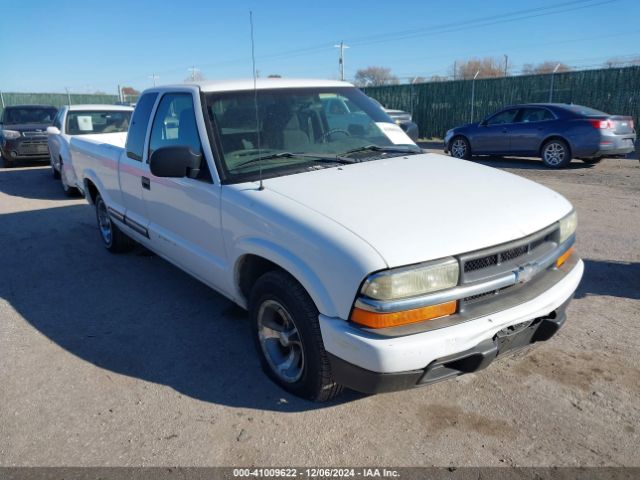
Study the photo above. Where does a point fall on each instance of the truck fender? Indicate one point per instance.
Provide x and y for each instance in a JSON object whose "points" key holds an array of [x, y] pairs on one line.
{"points": [[290, 263], [89, 175]]}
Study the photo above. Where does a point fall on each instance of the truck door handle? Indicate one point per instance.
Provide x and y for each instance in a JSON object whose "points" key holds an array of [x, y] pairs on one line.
{"points": [[146, 183]]}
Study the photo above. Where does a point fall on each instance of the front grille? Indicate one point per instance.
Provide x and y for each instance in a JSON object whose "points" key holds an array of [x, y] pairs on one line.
{"points": [[480, 263], [523, 249], [494, 262], [514, 253]]}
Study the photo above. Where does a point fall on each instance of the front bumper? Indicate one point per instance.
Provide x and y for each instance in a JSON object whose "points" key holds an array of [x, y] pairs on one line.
{"points": [[368, 362], [25, 149]]}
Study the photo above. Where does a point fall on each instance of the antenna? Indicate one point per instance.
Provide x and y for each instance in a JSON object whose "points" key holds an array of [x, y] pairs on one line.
{"points": [[255, 95]]}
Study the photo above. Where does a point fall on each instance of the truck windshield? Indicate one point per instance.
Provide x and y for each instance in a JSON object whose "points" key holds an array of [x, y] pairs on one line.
{"points": [[97, 121], [22, 115], [312, 122]]}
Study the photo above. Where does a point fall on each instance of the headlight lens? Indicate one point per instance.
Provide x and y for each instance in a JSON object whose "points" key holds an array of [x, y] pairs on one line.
{"points": [[568, 226], [10, 134], [412, 281]]}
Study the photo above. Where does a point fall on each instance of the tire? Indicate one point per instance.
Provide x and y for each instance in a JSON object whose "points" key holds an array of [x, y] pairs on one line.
{"points": [[460, 148], [592, 161], [555, 153], [6, 163], [114, 240], [286, 333], [54, 173]]}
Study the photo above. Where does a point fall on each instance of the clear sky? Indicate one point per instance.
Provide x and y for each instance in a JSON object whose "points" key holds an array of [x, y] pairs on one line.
{"points": [[89, 45]]}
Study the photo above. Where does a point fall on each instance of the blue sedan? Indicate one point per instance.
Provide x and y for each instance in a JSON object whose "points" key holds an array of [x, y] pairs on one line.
{"points": [[552, 131]]}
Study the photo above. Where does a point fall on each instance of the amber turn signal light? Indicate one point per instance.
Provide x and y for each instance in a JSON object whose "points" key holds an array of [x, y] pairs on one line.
{"points": [[394, 319], [563, 258]]}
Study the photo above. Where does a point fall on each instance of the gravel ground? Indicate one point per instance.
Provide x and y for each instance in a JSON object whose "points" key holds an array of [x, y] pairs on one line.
{"points": [[125, 360]]}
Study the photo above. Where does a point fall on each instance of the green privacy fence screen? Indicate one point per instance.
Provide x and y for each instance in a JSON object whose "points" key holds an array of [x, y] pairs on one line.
{"points": [[439, 106], [55, 99]]}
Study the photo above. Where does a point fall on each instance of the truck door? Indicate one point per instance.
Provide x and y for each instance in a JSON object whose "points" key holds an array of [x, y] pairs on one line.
{"points": [[132, 170], [184, 213]]}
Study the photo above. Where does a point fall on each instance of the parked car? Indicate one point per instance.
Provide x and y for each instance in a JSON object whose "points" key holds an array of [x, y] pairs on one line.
{"points": [[403, 119], [553, 131], [81, 120], [23, 132], [360, 264]]}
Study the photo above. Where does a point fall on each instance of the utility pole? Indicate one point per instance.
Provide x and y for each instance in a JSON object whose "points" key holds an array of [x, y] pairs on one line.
{"points": [[473, 93], [2, 99], [553, 74], [154, 77], [506, 64], [342, 46], [68, 96], [193, 71]]}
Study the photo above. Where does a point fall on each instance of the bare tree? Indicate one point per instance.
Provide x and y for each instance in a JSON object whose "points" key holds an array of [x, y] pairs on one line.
{"points": [[545, 67], [617, 62], [489, 67], [375, 76], [437, 78]]}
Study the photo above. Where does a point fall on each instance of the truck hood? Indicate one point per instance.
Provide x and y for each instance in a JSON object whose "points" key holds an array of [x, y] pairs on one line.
{"points": [[423, 207]]}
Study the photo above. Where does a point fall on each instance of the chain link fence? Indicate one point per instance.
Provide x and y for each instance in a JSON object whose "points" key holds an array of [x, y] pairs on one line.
{"points": [[439, 106]]}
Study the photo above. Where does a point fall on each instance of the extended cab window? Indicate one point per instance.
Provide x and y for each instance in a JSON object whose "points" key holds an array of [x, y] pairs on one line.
{"points": [[139, 124], [175, 124]]}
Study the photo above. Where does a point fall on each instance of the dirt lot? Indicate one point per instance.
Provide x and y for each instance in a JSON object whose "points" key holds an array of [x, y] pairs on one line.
{"points": [[125, 360]]}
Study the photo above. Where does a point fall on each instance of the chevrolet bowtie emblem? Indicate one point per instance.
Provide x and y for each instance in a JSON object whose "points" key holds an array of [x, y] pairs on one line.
{"points": [[524, 273]]}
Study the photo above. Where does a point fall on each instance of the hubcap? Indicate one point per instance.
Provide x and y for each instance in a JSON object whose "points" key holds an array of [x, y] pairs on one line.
{"points": [[554, 154], [104, 222], [459, 148], [280, 341]]}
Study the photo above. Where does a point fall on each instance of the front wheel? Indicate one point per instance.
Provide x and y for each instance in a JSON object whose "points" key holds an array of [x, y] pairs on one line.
{"points": [[286, 332], [66, 188], [54, 173], [556, 154], [460, 148], [114, 240]]}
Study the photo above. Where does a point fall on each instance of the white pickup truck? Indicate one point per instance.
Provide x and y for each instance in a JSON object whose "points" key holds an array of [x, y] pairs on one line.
{"points": [[363, 262]]}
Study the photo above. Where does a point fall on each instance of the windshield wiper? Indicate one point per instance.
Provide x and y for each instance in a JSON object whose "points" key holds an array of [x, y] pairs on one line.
{"points": [[314, 157], [391, 149]]}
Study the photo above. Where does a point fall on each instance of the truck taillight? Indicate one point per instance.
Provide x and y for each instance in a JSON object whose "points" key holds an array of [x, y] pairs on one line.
{"points": [[601, 124]]}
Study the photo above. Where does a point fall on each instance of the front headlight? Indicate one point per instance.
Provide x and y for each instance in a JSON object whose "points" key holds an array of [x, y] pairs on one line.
{"points": [[10, 134], [568, 226], [412, 281]]}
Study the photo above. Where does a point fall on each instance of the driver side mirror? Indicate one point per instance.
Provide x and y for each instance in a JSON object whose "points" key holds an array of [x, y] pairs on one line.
{"points": [[175, 162], [53, 130]]}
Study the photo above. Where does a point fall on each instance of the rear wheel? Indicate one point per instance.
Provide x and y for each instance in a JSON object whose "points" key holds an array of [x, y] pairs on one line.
{"points": [[114, 240], [460, 148], [286, 332], [6, 163], [556, 153]]}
